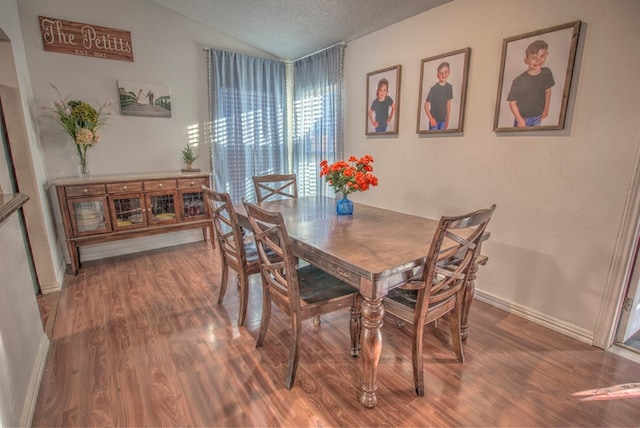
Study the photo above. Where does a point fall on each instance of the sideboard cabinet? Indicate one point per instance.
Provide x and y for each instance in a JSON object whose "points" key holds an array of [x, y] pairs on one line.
{"points": [[109, 208]]}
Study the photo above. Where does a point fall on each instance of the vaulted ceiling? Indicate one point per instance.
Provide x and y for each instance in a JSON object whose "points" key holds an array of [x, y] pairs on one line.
{"points": [[291, 29]]}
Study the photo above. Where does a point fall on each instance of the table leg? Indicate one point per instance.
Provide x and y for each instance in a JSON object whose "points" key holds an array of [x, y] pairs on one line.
{"points": [[371, 344]]}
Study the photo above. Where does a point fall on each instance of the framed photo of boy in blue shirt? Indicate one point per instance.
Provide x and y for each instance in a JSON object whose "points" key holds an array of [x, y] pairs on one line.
{"points": [[383, 101], [443, 86], [535, 78]]}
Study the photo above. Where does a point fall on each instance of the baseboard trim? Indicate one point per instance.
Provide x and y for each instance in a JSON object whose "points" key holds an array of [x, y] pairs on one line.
{"points": [[529, 314], [34, 383], [50, 288]]}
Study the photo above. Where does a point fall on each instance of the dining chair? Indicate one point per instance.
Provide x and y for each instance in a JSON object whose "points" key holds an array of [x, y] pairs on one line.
{"points": [[274, 186], [278, 186], [439, 288], [300, 292], [235, 253]]}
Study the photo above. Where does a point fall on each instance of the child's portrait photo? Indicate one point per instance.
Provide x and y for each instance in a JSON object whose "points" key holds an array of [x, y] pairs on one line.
{"points": [[535, 78], [443, 85], [383, 101]]}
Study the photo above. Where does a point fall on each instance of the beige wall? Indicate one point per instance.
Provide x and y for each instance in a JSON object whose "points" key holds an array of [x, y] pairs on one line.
{"points": [[560, 194]]}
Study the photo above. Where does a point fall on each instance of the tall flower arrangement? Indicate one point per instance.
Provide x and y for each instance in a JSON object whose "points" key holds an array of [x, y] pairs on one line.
{"points": [[80, 121], [353, 175]]}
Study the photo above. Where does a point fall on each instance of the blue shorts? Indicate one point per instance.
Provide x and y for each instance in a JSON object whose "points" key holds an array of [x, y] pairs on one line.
{"points": [[439, 125], [530, 121]]}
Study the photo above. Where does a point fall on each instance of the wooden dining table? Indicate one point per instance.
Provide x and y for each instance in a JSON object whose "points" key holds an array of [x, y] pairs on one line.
{"points": [[374, 250]]}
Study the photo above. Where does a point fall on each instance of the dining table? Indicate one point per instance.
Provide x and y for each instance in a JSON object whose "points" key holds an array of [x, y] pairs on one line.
{"points": [[374, 250]]}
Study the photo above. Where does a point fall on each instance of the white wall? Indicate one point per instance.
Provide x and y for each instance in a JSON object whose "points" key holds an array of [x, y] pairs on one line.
{"points": [[560, 194], [22, 340]]}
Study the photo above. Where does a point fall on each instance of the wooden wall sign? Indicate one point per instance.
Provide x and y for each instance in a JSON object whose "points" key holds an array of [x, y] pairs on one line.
{"points": [[93, 41]]}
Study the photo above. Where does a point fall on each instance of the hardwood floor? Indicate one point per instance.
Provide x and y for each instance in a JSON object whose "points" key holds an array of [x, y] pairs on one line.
{"points": [[138, 340]]}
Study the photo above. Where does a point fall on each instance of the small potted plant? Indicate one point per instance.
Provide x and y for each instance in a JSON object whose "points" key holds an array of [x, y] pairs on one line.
{"points": [[189, 157]]}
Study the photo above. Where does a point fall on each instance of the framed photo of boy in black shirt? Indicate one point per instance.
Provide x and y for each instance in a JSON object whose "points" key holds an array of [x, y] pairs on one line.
{"points": [[383, 101], [443, 85], [535, 78]]}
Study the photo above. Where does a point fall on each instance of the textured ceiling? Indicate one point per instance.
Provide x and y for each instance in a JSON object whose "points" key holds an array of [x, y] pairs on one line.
{"points": [[291, 29]]}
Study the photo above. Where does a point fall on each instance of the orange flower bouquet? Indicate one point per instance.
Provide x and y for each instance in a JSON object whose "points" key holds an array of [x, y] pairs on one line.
{"points": [[355, 175]]}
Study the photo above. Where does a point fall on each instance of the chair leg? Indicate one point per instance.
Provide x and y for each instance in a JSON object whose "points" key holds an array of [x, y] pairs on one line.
{"points": [[223, 281], [455, 324], [416, 353], [266, 316], [243, 288], [355, 325], [293, 349]]}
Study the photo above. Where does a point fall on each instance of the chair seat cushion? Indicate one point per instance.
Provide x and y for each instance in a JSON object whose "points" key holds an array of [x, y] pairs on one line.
{"points": [[316, 285], [405, 297]]}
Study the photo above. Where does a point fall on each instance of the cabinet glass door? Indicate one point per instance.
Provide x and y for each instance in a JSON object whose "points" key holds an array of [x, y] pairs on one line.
{"points": [[128, 211], [88, 215], [161, 207], [193, 205]]}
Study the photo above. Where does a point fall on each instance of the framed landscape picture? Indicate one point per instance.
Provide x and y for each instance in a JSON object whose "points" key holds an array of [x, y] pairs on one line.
{"points": [[383, 101], [535, 78], [144, 99], [443, 87]]}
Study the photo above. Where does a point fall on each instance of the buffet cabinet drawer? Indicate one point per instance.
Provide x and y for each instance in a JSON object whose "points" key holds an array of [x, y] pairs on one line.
{"points": [[159, 185], [185, 183], [85, 190], [130, 186]]}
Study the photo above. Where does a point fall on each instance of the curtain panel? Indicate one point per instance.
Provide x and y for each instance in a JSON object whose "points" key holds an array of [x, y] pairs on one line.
{"points": [[248, 117], [317, 117]]}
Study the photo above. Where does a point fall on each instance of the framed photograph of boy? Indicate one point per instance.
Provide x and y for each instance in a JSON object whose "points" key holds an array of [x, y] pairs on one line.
{"points": [[443, 86], [383, 101], [535, 78]]}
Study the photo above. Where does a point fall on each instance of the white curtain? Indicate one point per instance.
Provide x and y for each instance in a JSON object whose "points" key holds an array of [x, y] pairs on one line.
{"points": [[317, 117], [248, 118]]}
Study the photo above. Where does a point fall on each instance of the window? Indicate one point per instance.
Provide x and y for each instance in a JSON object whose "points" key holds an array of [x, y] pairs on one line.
{"points": [[249, 117]]}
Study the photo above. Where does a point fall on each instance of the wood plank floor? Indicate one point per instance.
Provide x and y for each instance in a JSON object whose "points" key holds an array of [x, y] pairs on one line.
{"points": [[139, 340]]}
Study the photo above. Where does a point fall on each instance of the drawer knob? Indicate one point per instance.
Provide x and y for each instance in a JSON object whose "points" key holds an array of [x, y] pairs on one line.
{"points": [[192, 182], [124, 187], [160, 185], [85, 190]]}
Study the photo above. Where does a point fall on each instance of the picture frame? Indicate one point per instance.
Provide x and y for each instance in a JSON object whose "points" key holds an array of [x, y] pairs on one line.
{"points": [[144, 99], [522, 102], [389, 107], [443, 88]]}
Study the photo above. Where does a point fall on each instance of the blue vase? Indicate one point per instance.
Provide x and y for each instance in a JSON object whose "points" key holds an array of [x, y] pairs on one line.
{"points": [[344, 206]]}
